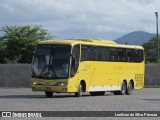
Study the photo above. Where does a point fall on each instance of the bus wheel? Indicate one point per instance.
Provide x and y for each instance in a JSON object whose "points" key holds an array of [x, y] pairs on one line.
{"points": [[129, 88], [80, 91], [48, 94], [122, 91], [97, 93]]}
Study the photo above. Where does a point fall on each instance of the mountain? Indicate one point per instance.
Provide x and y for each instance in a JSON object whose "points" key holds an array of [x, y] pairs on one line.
{"points": [[135, 38]]}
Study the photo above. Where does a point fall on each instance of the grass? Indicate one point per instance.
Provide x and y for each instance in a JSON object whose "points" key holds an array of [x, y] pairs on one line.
{"points": [[154, 86]]}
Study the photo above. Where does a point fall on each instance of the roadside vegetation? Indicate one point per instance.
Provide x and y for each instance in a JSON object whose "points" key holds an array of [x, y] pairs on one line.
{"points": [[17, 42], [151, 51], [154, 86]]}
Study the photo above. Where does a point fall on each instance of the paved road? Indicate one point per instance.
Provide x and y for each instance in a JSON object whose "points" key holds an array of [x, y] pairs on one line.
{"points": [[22, 99]]}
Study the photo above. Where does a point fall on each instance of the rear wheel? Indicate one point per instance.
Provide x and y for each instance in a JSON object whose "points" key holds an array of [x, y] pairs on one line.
{"points": [[97, 93], [129, 88], [80, 91], [48, 94], [122, 91]]}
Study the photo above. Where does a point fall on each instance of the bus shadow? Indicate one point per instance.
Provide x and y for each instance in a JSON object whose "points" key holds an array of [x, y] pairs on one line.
{"points": [[21, 96], [67, 96], [44, 97]]}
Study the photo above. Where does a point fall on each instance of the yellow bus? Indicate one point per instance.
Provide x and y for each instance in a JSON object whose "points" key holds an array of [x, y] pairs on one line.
{"points": [[87, 65]]}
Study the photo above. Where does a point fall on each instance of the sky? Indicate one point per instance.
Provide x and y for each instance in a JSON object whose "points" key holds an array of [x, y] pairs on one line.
{"points": [[100, 19]]}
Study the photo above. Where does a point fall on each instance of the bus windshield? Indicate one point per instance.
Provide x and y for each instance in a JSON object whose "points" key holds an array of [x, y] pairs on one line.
{"points": [[51, 61]]}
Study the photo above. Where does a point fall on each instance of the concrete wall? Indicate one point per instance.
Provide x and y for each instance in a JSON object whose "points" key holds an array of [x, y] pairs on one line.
{"points": [[15, 75], [152, 75], [19, 75]]}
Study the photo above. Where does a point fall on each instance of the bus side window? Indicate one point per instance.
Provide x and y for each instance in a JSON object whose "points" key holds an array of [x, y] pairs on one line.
{"points": [[85, 53], [141, 56], [129, 55], [136, 55], [96, 53], [103, 54], [107, 55], [121, 55], [76, 52], [75, 59], [112, 54]]}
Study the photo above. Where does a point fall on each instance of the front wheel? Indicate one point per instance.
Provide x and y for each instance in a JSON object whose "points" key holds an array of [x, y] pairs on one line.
{"points": [[80, 91], [48, 94]]}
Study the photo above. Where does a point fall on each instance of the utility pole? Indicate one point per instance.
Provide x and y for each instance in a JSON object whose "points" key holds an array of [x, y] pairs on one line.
{"points": [[156, 13]]}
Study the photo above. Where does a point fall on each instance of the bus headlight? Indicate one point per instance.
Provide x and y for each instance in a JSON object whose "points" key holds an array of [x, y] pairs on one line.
{"points": [[61, 83], [34, 83]]}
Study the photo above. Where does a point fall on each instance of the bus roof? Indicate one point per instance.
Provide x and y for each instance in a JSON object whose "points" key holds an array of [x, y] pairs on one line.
{"points": [[88, 41]]}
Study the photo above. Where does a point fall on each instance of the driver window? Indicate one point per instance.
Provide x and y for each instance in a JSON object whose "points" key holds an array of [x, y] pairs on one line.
{"points": [[75, 63]]}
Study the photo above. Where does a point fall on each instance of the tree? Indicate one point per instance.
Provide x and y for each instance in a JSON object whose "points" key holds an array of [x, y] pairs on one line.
{"points": [[17, 42], [2, 52], [150, 48]]}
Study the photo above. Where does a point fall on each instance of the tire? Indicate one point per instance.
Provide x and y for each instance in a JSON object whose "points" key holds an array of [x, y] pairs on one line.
{"points": [[129, 88], [80, 91], [122, 91], [48, 94], [97, 93]]}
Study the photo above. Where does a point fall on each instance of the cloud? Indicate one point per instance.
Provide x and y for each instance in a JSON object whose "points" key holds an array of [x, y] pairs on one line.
{"points": [[106, 19]]}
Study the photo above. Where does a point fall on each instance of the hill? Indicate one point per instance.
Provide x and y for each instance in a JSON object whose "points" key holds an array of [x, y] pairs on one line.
{"points": [[135, 38]]}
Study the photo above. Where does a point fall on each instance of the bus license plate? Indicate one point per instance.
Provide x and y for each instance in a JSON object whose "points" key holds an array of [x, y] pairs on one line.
{"points": [[47, 89]]}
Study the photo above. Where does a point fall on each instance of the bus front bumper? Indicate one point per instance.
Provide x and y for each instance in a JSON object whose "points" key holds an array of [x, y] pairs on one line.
{"points": [[62, 89]]}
